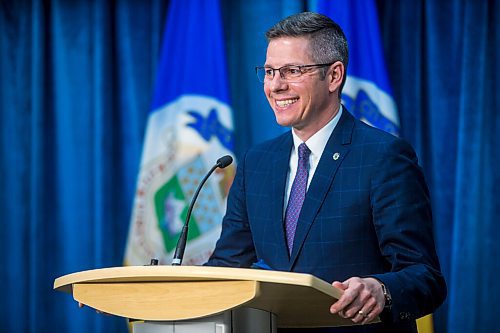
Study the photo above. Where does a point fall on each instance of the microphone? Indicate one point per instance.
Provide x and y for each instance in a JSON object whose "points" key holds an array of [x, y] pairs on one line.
{"points": [[222, 162]]}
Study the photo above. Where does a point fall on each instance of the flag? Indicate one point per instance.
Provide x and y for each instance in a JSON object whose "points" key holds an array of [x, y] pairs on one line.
{"points": [[367, 92], [189, 127]]}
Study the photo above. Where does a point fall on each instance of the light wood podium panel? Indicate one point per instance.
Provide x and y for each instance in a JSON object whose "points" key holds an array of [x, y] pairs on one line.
{"points": [[170, 293]]}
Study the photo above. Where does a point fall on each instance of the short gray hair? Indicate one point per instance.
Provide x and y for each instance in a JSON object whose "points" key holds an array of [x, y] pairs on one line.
{"points": [[327, 40]]}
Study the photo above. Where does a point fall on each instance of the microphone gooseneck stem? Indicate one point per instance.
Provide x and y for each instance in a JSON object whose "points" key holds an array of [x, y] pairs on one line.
{"points": [[181, 244]]}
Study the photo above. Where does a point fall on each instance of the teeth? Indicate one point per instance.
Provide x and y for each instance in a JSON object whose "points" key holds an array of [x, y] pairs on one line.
{"points": [[286, 102]]}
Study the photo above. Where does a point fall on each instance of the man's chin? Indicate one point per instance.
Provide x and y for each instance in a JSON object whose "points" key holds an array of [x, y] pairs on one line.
{"points": [[283, 123]]}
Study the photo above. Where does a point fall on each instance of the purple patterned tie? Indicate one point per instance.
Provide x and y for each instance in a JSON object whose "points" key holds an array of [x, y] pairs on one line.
{"points": [[297, 195]]}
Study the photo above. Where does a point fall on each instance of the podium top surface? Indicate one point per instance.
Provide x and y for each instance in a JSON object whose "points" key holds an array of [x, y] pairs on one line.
{"points": [[189, 292], [191, 273]]}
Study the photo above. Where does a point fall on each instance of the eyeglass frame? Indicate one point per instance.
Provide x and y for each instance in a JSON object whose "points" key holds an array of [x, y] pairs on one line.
{"points": [[282, 76]]}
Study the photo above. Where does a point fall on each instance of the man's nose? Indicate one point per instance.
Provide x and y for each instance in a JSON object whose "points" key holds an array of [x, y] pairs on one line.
{"points": [[277, 83]]}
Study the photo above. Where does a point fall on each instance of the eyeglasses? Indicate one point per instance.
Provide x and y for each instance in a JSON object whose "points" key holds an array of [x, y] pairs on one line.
{"points": [[288, 73]]}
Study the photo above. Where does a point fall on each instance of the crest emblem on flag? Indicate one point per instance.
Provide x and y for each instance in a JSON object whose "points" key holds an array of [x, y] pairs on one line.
{"points": [[190, 133]]}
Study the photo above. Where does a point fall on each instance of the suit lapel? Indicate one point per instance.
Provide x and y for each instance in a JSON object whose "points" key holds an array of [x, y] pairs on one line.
{"points": [[279, 173], [335, 151]]}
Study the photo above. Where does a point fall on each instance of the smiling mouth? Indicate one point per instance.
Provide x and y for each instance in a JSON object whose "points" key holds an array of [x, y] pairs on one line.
{"points": [[286, 102]]}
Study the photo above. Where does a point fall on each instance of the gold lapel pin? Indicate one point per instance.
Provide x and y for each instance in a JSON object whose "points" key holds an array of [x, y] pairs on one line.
{"points": [[336, 156]]}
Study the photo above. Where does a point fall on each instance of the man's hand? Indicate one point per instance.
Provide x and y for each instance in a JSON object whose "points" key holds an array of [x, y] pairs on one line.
{"points": [[362, 301]]}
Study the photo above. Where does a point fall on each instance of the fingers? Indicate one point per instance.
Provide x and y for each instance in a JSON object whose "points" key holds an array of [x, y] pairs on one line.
{"points": [[339, 285], [365, 314], [377, 309], [336, 307], [361, 301], [351, 291]]}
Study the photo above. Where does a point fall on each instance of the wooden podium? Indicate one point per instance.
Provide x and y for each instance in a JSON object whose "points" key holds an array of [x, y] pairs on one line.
{"points": [[165, 295]]}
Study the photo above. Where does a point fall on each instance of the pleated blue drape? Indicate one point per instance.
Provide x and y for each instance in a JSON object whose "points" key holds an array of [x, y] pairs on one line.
{"points": [[443, 60], [76, 81]]}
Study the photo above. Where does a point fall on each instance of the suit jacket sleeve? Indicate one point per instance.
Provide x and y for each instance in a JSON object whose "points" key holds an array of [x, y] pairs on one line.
{"points": [[403, 223]]}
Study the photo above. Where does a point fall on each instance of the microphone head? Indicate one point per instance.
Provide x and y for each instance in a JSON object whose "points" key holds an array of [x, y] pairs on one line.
{"points": [[224, 161]]}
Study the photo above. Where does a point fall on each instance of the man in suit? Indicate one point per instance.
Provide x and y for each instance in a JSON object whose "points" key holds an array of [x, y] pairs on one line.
{"points": [[333, 197]]}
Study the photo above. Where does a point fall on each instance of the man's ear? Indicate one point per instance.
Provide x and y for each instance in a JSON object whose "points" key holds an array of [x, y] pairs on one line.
{"points": [[335, 76]]}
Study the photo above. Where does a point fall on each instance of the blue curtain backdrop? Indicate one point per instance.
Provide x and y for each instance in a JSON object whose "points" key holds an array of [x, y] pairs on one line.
{"points": [[443, 60], [75, 90]]}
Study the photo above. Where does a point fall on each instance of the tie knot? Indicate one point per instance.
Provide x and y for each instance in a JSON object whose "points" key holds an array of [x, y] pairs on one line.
{"points": [[304, 151]]}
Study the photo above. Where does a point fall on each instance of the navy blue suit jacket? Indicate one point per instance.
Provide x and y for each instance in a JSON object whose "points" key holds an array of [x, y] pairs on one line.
{"points": [[366, 213]]}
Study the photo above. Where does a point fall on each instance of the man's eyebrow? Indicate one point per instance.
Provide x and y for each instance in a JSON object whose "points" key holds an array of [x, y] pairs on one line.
{"points": [[290, 64]]}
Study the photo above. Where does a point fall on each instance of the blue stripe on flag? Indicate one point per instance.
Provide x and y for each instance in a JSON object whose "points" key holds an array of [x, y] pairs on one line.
{"points": [[193, 57]]}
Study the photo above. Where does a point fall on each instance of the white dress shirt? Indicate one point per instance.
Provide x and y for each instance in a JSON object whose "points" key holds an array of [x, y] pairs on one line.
{"points": [[316, 145]]}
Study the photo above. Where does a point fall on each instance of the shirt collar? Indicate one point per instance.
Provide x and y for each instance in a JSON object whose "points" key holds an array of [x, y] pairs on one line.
{"points": [[317, 142]]}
